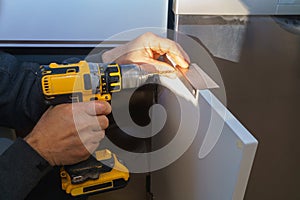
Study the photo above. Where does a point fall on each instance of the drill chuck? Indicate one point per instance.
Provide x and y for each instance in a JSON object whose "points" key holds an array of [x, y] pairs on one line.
{"points": [[132, 76]]}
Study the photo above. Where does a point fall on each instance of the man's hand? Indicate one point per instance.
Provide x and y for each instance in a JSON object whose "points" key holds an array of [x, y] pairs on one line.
{"points": [[146, 49], [67, 133]]}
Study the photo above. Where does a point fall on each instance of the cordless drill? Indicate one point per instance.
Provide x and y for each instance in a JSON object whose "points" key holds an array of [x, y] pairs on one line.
{"points": [[81, 82]]}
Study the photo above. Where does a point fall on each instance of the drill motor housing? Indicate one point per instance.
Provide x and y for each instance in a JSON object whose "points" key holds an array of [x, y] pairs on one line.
{"points": [[80, 82]]}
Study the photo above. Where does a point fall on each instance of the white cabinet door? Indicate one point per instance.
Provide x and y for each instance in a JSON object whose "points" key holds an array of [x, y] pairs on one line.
{"points": [[214, 151]]}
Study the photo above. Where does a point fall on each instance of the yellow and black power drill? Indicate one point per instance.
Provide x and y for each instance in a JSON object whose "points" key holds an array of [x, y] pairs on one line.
{"points": [[81, 82]]}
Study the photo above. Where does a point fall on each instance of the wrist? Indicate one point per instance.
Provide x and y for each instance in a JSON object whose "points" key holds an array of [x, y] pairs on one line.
{"points": [[35, 145]]}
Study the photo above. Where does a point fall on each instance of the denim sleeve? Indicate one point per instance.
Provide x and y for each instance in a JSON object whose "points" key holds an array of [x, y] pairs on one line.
{"points": [[21, 99]]}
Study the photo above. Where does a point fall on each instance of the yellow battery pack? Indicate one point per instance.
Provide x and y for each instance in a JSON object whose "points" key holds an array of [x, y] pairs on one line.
{"points": [[101, 173]]}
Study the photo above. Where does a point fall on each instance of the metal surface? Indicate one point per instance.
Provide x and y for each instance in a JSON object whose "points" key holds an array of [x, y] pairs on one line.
{"points": [[194, 78], [236, 7], [133, 76], [197, 78], [262, 91]]}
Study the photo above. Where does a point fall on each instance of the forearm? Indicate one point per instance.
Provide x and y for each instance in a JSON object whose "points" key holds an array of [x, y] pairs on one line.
{"points": [[21, 168], [21, 102]]}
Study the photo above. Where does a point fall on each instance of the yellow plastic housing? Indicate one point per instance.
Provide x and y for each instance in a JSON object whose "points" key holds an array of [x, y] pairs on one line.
{"points": [[103, 183], [69, 81]]}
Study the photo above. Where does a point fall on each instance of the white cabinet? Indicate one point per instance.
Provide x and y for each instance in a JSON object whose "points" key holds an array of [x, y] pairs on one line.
{"points": [[75, 23]]}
